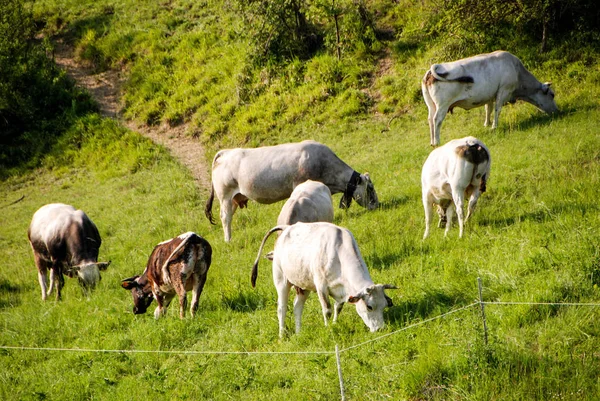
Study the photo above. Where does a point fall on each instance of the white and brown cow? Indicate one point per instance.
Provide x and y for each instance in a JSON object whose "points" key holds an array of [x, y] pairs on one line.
{"points": [[309, 202], [458, 170], [487, 79], [323, 258], [270, 174], [65, 241], [175, 266]]}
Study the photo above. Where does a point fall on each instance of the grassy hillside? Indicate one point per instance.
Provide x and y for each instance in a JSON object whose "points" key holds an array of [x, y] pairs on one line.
{"points": [[534, 237]]}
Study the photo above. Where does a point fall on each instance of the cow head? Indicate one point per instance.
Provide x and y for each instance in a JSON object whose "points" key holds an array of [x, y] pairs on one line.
{"points": [[370, 303], [365, 194], [88, 274], [543, 98], [140, 291]]}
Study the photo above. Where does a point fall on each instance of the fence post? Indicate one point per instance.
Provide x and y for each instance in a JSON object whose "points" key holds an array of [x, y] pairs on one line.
{"points": [[485, 334], [339, 368]]}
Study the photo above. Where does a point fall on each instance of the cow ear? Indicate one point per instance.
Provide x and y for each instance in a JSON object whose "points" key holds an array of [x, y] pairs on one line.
{"points": [[354, 299], [130, 283], [389, 301], [104, 265]]}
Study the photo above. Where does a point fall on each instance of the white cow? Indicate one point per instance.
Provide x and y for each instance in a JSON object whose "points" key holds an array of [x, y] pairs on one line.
{"points": [[323, 258], [269, 174], [309, 202], [487, 79], [451, 173]]}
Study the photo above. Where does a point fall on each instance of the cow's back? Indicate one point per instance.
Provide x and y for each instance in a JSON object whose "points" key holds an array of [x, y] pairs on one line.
{"points": [[61, 232], [321, 252], [269, 174]]}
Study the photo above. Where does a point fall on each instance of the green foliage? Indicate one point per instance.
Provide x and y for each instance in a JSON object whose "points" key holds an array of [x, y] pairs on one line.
{"points": [[36, 99]]}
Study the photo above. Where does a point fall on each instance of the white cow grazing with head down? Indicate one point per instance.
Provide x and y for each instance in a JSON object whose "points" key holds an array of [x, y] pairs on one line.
{"points": [[458, 170], [323, 258], [487, 79], [309, 202], [269, 174]]}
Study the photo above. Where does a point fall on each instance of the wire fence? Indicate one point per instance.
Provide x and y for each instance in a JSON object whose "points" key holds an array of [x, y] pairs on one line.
{"points": [[337, 352]]}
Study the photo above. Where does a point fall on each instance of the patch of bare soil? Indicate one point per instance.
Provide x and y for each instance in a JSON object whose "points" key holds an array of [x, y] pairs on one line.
{"points": [[105, 89]]}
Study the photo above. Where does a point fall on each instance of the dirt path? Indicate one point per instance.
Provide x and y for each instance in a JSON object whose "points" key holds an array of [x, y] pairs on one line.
{"points": [[105, 89]]}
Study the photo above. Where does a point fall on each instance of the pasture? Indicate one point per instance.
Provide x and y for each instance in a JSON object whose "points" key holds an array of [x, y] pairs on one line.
{"points": [[534, 237]]}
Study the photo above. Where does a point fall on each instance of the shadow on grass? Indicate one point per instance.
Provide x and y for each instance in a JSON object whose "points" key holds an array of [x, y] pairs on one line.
{"points": [[244, 301], [540, 215], [9, 294], [394, 202], [431, 304]]}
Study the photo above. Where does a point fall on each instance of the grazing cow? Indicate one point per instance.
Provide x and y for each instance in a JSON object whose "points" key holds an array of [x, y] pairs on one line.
{"points": [[65, 241], [324, 258], [269, 174], [174, 267], [309, 202], [487, 79], [451, 173]]}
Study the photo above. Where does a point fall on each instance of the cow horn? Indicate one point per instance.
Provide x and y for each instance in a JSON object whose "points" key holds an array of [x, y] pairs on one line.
{"points": [[389, 287]]}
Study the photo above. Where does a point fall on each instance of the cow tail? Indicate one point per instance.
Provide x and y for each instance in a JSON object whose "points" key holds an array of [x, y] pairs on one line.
{"points": [[209, 202], [255, 266], [165, 272]]}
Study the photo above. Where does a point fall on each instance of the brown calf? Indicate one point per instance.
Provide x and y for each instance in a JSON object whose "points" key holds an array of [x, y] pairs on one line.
{"points": [[175, 266]]}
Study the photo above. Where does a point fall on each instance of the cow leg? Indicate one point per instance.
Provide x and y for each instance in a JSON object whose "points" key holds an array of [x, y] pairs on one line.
{"points": [[163, 301], [337, 310], [57, 276], [501, 99], [325, 304], [182, 304], [472, 203], [428, 206], [431, 112], [227, 211], [438, 118], [458, 197], [196, 292], [488, 113], [283, 293], [299, 301], [42, 267], [449, 216]]}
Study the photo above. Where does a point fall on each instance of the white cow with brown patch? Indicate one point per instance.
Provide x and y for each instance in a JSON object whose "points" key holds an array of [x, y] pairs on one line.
{"points": [[452, 173], [492, 79]]}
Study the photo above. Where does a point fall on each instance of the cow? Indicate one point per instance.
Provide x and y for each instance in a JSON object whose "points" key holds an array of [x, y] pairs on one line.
{"points": [[175, 266], [487, 79], [323, 258], [457, 170], [65, 241], [309, 202], [269, 174]]}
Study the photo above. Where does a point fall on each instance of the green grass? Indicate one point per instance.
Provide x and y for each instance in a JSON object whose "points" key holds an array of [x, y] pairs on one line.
{"points": [[534, 237]]}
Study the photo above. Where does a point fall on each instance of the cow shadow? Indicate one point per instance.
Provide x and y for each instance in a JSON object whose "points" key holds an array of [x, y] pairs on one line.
{"points": [[394, 202], [536, 216], [10, 294], [404, 313], [244, 301]]}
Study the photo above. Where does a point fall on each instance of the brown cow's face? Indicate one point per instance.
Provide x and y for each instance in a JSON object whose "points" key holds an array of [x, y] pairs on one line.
{"points": [[141, 293]]}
